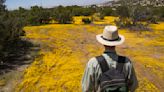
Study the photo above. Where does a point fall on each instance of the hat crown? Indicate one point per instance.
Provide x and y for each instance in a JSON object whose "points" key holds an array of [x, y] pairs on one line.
{"points": [[110, 33]]}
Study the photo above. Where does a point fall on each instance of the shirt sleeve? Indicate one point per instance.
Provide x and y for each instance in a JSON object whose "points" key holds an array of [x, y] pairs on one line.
{"points": [[132, 81], [88, 77]]}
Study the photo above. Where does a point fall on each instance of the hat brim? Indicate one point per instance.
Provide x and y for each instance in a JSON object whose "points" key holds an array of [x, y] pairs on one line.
{"points": [[110, 43]]}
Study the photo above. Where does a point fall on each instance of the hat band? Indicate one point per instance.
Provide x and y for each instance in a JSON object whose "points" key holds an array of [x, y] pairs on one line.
{"points": [[112, 39]]}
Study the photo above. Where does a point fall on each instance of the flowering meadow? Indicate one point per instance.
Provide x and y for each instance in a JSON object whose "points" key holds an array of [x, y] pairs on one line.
{"points": [[66, 48]]}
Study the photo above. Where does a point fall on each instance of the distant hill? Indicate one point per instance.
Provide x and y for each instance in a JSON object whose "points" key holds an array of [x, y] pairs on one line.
{"points": [[142, 2]]}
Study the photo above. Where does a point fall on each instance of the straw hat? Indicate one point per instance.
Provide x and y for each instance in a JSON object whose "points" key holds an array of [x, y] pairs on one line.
{"points": [[110, 37]]}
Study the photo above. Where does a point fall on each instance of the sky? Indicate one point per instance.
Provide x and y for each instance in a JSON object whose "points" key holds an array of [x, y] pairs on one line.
{"points": [[14, 4]]}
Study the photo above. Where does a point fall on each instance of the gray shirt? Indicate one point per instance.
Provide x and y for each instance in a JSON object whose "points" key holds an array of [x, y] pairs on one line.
{"points": [[93, 72]]}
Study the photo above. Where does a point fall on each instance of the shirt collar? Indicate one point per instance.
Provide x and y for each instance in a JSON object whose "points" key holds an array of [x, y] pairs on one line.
{"points": [[109, 51]]}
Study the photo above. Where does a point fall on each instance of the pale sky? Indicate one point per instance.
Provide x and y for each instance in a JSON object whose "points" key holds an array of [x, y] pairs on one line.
{"points": [[13, 4]]}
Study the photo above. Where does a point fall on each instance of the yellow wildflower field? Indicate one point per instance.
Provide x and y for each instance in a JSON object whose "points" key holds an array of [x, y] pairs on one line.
{"points": [[106, 20], [66, 48]]}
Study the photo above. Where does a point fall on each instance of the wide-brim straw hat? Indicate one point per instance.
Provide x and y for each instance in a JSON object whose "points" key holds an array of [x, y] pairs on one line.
{"points": [[110, 36]]}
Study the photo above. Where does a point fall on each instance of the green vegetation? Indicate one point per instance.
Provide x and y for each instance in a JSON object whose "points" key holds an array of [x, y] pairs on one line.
{"points": [[132, 15], [86, 20], [106, 11], [38, 15], [62, 15], [10, 29]]}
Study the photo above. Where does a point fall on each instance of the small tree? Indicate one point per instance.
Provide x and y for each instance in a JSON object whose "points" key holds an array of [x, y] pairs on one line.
{"points": [[106, 11], [131, 12], [10, 28], [62, 15], [159, 11]]}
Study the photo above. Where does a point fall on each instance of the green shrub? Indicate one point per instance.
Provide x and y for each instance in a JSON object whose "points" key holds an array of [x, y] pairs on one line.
{"points": [[107, 11], [63, 15], [86, 21], [10, 28]]}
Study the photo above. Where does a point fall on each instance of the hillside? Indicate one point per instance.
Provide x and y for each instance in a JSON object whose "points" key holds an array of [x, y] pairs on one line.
{"points": [[65, 49], [141, 2]]}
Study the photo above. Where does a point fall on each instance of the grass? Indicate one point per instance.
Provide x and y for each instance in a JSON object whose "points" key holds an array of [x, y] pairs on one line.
{"points": [[65, 49]]}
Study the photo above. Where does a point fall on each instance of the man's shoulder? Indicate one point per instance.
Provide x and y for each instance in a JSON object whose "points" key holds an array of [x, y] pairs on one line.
{"points": [[128, 62], [127, 59], [92, 61]]}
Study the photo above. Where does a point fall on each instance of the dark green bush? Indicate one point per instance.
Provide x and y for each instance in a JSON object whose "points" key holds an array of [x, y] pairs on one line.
{"points": [[10, 28], [86, 21], [107, 11], [63, 16]]}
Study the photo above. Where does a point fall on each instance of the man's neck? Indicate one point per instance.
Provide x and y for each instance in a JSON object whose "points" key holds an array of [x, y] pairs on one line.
{"points": [[110, 49]]}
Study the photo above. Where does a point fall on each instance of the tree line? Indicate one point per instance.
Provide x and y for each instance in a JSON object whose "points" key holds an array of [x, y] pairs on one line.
{"points": [[37, 15]]}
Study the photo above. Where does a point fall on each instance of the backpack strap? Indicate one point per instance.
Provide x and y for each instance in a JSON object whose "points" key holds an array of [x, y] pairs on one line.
{"points": [[103, 64], [120, 63]]}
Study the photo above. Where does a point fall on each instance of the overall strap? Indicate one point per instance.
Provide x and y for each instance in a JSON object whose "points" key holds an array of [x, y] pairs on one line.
{"points": [[103, 64], [120, 63]]}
